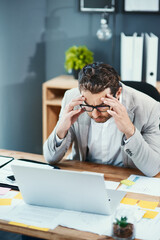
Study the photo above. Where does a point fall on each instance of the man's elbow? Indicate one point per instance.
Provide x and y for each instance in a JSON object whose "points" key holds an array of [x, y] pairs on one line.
{"points": [[152, 173], [46, 153]]}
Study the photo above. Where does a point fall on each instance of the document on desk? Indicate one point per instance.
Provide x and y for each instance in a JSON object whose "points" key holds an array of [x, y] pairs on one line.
{"points": [[6, 208], [95, 223], [149, 228], [144, 185], [31, 215], [45, 217], [111, 185], [4, 173], [88, 222], [4, 160]]}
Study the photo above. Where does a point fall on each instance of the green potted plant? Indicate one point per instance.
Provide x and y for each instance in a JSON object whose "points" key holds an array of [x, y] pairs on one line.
{"points": [[122, 229], [76, 57]]}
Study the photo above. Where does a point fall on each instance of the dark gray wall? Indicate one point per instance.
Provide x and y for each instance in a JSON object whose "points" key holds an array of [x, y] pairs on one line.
{"points": [[66, 26], [22, 71]]}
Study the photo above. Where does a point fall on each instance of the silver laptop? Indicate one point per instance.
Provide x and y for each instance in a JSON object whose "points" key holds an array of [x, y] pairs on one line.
{"points": [[78, 191]]}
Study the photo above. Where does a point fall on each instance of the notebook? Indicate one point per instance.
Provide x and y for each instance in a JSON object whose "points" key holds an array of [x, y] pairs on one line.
{"points": [[72, 190]]}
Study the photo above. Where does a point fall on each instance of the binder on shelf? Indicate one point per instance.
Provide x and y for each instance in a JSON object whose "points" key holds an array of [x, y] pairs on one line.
{"points": [[141, 5], [131, 57], [126, 57], [151, 58]]}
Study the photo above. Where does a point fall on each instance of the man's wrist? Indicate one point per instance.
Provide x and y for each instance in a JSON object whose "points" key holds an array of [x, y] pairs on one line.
{"points": [[58, 141], [61, 133], [130, 132]]}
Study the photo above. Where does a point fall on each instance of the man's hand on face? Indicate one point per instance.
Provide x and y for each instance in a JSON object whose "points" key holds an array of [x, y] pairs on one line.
{"points": [[69, 116], [120, 115]]}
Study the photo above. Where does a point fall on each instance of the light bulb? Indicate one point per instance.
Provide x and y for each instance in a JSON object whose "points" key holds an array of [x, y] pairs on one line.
{"points": [[104, 33]]}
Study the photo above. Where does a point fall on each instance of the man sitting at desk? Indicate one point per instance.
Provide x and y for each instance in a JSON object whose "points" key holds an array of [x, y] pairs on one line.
{"points": [[108, 123]]}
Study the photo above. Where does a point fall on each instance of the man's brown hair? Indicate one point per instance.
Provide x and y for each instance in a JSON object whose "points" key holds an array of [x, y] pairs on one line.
{"points": [[97, 77]]}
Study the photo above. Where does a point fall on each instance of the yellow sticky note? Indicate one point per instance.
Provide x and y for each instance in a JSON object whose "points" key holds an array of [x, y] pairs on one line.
{"points": [[18, 224], [127, 182], [150, 214], [18, 196], [5, 201], [129, 201], [148, 204], [39, 228]]}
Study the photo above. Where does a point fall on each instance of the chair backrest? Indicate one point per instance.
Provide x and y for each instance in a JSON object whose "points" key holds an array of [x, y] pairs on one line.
{"points": [[145, 88]]}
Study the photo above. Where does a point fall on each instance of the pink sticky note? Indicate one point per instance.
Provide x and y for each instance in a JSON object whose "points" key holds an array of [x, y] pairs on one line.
{"points": [[3, 190]]}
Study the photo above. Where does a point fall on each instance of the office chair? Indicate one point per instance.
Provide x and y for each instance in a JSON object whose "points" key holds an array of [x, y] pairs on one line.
{"points": [[145, 88]]}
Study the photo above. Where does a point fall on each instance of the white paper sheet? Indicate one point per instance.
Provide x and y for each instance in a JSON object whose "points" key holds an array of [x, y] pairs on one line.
{"points": [[145, 185], [4, 160], [99, 224], [111, 185], [4, 174], [149, 229], [6, 210], [88, 222], [34, 215]]}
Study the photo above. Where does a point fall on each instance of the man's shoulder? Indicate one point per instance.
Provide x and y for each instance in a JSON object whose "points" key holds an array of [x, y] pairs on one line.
{"points": [[142, 105], [138, 98], [71, 93]]}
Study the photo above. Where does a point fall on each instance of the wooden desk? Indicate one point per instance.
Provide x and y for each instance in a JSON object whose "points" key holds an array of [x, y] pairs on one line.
{"points": [[62, 233]]}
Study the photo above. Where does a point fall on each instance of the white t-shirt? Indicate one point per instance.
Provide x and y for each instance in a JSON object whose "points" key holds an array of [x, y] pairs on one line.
{"points": [[104, 143]]}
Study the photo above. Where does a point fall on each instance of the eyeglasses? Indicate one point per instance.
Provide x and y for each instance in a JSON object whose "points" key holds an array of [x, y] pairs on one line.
{"points": [[90, 108]]}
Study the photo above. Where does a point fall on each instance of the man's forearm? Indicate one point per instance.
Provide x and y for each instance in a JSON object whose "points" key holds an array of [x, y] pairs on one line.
{"points": [[130, 131]]}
